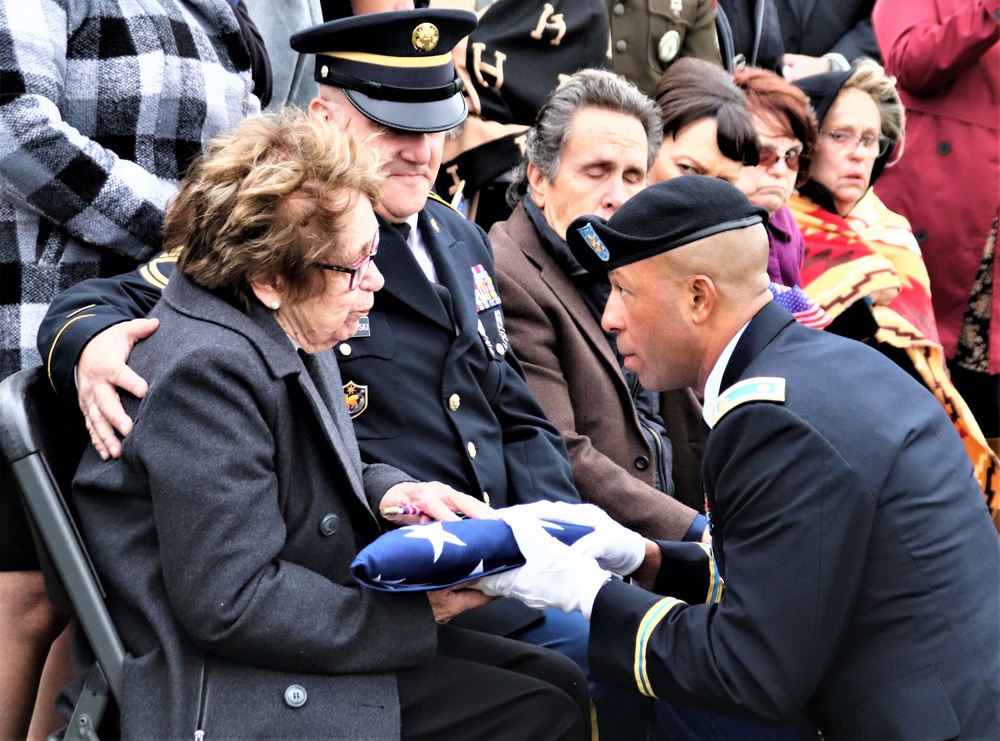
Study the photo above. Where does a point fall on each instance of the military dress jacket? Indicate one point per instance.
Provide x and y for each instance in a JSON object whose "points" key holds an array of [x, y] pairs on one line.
{"points": [[443, 396], [647, 35], [861, 569], [574, 374], [224, 536]]}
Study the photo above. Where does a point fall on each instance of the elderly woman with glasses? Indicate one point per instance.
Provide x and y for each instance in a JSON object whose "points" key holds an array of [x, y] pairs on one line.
{"points": [[225, 531], [862, 263], [786, 128]]}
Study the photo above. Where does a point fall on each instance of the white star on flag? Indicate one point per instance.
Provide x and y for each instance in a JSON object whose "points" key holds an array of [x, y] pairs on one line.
{"points": [[435, 534]]}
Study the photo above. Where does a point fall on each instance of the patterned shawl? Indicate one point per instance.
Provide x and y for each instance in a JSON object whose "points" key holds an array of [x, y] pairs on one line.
{"points": [[846, 260]]}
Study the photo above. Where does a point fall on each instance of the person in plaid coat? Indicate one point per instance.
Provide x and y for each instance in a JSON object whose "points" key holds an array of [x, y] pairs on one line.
{"points": [[102, 105]]}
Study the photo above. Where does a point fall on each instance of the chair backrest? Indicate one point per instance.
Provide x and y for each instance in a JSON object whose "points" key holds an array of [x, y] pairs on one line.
{"points": [[42, 440]]}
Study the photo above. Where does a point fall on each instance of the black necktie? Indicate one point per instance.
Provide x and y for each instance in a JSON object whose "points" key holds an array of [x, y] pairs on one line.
{"points": [[404, 229]]}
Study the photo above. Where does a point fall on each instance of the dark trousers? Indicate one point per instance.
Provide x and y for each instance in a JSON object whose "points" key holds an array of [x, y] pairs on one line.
{"points": [[485, 687]]}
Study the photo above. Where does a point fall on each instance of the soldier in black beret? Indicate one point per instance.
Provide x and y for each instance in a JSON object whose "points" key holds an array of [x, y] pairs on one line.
{"points": [[852, 550]]}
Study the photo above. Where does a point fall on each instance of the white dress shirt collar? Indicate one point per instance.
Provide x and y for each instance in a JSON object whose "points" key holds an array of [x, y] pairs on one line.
{"points": [[714, 381]]}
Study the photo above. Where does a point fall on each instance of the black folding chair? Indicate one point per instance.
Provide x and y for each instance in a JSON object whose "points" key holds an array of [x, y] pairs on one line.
{"points": [[42, 440]]}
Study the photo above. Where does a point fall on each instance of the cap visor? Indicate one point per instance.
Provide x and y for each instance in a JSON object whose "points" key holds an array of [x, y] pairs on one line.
{"points": [[429, 117]]}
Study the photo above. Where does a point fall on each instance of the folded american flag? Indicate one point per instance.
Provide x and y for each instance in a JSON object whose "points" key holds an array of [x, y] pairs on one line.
{"points": [[442, 554], [799, 305]]}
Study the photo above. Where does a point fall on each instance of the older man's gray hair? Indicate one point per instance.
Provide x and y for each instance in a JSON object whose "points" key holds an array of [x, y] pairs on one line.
{"points": [[589, 88]]}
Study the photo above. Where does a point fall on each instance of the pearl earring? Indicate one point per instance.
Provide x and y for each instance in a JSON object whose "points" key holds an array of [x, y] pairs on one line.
{"points": [[275, 305]]}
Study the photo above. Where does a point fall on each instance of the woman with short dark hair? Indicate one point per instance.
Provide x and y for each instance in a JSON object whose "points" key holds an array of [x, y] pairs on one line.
{"points": [[706, 126]]}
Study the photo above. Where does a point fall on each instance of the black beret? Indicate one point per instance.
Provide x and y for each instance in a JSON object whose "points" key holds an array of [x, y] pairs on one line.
{"points": [[395, 67], [659, 218]]}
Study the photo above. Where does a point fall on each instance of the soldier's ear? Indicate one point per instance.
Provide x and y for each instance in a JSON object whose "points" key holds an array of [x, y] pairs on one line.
{"points": [[537, 182], [701, 296]]}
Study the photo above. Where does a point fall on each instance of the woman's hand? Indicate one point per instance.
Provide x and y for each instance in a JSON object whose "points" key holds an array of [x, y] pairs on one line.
{"points": [[432, 501], [447, 603]]}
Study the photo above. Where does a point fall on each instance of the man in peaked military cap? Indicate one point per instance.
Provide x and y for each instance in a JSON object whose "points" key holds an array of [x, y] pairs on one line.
{"points": [[861, 569], [433, 388], [395, 68], [443, 396]]}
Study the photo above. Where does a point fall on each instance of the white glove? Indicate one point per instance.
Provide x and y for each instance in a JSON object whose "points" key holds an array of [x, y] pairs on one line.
{"points": [[614, 546], [552, 576]]}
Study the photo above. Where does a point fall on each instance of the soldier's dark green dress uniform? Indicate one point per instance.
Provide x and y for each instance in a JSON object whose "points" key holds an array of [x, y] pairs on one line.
{"points": [[647, 35]]}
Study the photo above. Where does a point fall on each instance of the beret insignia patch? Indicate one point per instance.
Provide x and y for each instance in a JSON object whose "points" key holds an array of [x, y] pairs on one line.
{"points": [[594, 241]]}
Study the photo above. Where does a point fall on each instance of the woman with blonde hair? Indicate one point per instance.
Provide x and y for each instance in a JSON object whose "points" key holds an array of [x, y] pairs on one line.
{"points": [[862, 263]]}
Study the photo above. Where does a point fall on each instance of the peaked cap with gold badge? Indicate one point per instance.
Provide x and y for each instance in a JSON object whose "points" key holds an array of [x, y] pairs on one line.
{"points": [[394, 67], [659, 218]]}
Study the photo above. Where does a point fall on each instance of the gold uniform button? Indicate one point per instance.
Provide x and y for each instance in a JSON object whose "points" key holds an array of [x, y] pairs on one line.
{"points": [[345, 349], [454, 402], [472, 450]]}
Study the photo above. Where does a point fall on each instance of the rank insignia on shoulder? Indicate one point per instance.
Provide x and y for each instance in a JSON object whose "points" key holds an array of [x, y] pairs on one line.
{"points": [[356, 397], [435, 197], [751, 389], [594, 242]]}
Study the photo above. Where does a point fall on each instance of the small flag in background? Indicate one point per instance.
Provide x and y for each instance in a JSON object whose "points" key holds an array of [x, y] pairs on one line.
{"points": [[799, 305], [442, 554]]}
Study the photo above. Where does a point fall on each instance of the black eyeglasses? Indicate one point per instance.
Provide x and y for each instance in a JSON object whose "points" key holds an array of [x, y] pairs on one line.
{"points": [[848, 140], [770, 156], [358, 271]]}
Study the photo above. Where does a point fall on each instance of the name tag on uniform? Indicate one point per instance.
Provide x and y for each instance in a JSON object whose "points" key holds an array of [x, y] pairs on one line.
{"points": [[364, 328]]}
